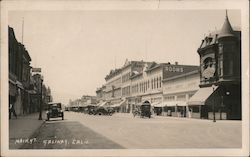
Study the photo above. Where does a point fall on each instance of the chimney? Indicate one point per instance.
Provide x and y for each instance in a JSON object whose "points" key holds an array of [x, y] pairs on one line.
{"points": [[176, 63]]}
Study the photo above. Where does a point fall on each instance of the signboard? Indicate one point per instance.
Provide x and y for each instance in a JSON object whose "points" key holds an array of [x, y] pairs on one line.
{"points": [[36, 70], [174, 69], [47, 98]]}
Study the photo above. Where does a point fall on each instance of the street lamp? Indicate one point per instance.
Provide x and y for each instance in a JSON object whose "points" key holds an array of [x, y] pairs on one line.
{"points": [[41, 100], [214, 120]]}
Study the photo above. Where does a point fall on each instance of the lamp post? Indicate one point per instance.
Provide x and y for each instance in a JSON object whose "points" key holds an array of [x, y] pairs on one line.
{"points": [[41, 100], [214, 120]]}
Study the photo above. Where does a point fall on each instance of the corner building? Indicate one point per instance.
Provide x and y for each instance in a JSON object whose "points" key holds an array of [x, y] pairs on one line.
{"points": [[220, 75]]}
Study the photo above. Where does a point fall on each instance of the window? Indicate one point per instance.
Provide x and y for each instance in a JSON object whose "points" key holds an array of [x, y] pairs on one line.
{"points": [[160, 81], [152, 87], [169, 98], [221, 67], [157, 82], [181, 97]]}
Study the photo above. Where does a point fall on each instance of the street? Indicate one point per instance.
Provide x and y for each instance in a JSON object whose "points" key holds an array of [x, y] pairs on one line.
{"points": [[81, 131]]}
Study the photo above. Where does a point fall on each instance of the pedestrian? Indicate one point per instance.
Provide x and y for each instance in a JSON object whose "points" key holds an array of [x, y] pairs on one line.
{"points": [[12, 110]]}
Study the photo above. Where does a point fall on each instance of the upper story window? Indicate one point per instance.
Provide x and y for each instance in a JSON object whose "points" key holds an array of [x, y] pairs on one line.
{"points": [[160, 81]]}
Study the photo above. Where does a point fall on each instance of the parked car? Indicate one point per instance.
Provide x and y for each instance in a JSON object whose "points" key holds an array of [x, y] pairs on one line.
{"points": [[91, 109], [104, 111], [146, 110], [54, 111], [142, 110]]}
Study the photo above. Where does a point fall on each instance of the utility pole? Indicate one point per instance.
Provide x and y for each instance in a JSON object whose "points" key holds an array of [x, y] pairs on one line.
{"points": [[214, 119], [22, 29], [41, 100]]}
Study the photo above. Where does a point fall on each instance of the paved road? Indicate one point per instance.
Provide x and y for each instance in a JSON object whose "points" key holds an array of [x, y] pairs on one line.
{"points": [[58, 134], [125, 131]]}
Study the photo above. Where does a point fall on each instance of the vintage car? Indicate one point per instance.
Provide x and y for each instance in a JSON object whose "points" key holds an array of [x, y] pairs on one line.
{"points": [[54, 111], [104, 111], [143, 110], [90, 109]]}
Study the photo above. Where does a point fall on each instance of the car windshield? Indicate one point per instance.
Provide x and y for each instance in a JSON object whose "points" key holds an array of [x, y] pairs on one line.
{"points": [[57, 105]]}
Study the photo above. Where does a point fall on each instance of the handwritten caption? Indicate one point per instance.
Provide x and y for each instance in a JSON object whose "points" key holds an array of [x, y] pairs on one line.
{"points": [[46, 142]]}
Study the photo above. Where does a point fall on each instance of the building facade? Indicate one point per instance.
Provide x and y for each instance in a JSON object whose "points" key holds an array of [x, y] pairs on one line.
{"points": [[219, 96], [19, 61], [23, 93], [139, 81], [178, 89]]}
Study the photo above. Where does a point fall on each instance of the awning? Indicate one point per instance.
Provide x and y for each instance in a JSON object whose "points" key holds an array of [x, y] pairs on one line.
{"points": [[158, 104], [19, 84], [82, 105], [12, 89], [31, 91], [181, 103], [200, 97], [102, 104], [119, 104], [13, 82], [176, 103]]}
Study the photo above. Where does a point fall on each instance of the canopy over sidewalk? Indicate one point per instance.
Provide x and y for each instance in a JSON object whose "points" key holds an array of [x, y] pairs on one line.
{"points": [[123, 102], [176, 103], [200, 97]]}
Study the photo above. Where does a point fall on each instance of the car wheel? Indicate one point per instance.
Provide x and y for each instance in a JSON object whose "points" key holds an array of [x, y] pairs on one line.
{"points": [[100, 113]]}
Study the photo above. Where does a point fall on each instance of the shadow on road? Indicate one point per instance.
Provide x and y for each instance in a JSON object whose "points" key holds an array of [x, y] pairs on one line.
{"points": [[58, 134]]}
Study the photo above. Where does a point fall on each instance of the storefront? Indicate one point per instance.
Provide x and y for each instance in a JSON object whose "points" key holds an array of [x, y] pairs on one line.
{"points": [[176, 108], [215, 102], [158, 108]]}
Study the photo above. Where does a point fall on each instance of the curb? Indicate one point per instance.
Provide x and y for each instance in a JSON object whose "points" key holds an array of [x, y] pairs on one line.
{"points": [[33, 135]]}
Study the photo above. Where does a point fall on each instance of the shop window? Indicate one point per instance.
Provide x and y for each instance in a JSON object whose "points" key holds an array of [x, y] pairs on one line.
{"points": [[195, 109]]}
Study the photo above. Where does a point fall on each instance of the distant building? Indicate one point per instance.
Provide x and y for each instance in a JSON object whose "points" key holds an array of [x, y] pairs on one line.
{"points": [[138, 81], [220, 75], [84, 101]]}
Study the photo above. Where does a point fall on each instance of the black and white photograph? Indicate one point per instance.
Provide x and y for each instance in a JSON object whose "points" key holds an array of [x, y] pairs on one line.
{"points": [[116, 78]]}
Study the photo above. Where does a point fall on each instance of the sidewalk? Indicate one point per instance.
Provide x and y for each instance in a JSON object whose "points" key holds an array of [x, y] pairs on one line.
{"points": [[23, 127], [130, 115]]}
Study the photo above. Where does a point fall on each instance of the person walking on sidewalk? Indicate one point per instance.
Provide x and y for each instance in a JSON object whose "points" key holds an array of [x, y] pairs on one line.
{"points": [[12, 110]]}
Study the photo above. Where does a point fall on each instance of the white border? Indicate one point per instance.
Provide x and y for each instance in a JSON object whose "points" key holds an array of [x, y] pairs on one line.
{"points": [[125, 5]]}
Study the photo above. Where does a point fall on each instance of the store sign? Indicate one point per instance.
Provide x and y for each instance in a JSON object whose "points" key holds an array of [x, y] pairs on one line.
{"points": [[174, 69], [36, 70]]}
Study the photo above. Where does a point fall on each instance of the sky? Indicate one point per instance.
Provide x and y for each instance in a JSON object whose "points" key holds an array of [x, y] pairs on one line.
{"points": [[77, 49]]}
